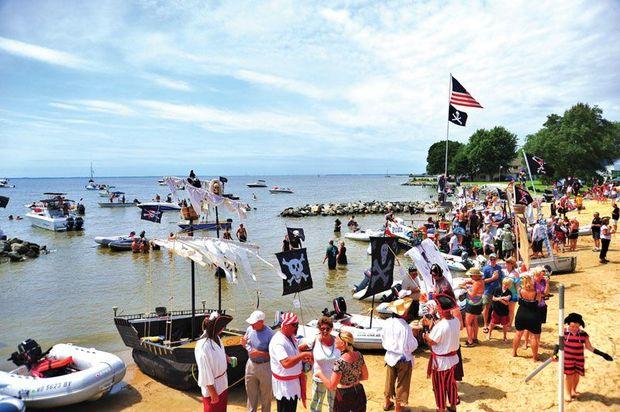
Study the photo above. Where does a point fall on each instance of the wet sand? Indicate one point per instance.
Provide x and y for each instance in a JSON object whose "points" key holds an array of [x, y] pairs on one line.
{"points": [[494, 380]]}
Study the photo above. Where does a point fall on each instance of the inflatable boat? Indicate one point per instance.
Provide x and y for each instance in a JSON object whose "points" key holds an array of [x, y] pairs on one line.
{"points": [[106, 240], [363, 235], [11, 404], [122, 245], [65, 375]]}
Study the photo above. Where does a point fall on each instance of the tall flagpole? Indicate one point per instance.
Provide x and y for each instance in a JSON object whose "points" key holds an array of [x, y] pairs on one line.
{"points": [[528, 170], [448, 127]]}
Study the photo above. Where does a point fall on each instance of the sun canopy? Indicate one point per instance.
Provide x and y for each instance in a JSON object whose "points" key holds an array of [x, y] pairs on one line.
{"points": [[231, 256]]}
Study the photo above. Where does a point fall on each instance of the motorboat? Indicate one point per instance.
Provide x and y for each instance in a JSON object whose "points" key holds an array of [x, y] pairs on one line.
{"points": [[104, 190], [363, 235], [121, 245], [106, 240], [258, 183], [559, 264], [67, 374], [161, 182], [209, 226], [55, 213], [278, 189], [163, 206], [585, 231], [4, 184], [366, 331], [117, 204]]}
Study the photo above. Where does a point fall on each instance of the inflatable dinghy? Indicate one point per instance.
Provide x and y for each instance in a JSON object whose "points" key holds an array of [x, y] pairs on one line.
{"points": [[66, 375]]}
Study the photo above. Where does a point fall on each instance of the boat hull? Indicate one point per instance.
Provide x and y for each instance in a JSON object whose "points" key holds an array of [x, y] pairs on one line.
{"points": [[53, 224], [205, 226], [559, 264], [115, 205], [163, 206]]}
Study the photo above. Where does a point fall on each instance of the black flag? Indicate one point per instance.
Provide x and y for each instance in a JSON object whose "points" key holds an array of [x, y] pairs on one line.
{"points": [[296, 232], [523, 196], [501, 194], [294, 265], [457, 116], [538, 166], [151, 213], [223, 179], [4, 201], [382, 265]]}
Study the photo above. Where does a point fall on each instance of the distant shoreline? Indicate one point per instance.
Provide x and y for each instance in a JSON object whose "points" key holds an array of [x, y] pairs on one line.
{"points": [[229, 176]]}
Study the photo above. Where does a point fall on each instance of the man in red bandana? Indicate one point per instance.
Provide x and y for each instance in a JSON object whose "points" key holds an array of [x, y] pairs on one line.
{"points": [[443, 340], [288, 378]]}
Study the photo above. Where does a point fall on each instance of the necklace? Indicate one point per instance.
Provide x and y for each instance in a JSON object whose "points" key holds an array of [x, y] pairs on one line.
{"points": [[333, 346]]}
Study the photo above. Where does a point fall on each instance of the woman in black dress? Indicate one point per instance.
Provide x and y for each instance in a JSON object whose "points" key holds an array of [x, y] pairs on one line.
{"points": [[528, 316], [341, 258]]}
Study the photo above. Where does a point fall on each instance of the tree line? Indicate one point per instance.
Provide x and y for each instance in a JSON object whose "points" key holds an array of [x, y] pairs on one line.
{"points": [[579, 143]]}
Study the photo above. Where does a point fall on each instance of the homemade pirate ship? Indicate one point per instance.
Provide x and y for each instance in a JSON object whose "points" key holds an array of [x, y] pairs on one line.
{"points": [[163, 341]]}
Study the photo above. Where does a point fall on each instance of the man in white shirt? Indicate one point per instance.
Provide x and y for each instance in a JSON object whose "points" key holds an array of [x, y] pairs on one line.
{"points": [[399, 343], [443, 339], [411, 288], [288, 379]]}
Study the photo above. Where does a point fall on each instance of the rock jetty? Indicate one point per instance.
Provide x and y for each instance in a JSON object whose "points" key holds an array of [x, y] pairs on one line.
{"points": [[16, 250], [357, 208]]}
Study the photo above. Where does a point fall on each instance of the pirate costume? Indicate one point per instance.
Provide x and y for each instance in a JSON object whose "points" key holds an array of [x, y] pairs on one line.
{"points": [[212, 363], [443, 358]]}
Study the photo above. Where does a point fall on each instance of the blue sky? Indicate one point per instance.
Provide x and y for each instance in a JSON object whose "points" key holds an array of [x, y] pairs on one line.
{"points": [[284, 87]]}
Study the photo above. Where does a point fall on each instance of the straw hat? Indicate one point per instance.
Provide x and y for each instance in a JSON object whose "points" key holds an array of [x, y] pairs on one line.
{"points": [[512, 260], [400, 306], [473, 272]]}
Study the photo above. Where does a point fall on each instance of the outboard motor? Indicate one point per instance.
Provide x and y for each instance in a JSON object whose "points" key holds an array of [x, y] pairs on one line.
{"points": [[79, 223], [28, 353], [340, 307], [70, 223], [81, 209]]}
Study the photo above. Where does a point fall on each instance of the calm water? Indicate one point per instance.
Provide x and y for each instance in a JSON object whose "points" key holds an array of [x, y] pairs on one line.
{"points": [[68, 295]]}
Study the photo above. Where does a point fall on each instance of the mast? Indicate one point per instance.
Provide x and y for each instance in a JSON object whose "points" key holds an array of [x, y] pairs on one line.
{"points": [[448, 128]]}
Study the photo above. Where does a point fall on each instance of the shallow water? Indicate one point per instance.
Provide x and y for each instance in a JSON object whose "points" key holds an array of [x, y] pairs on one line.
{"points": [[68, 295]]}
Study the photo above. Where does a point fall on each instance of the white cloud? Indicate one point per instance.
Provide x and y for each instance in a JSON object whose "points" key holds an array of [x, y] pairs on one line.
{"points": [[169, 83], [289, 85], [102, 106], [43, 54]]}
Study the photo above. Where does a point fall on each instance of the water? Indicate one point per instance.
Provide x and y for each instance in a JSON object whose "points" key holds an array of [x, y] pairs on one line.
{"points": [[68, 295]]}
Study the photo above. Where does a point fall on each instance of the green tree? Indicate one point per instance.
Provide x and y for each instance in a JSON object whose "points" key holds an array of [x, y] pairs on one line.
{"points": [[460, 164], [435, 160], [581, 142], [489, 149]]}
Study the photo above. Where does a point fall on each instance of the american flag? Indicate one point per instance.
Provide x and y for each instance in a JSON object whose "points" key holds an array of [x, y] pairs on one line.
{"points": [[461, 97]]}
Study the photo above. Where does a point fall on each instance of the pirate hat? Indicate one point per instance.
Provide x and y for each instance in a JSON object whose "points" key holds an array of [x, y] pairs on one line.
{"points": [[215, 323], [574, 317], [400, 306]]}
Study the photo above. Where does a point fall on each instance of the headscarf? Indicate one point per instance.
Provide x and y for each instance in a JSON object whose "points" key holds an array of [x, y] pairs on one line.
{"points": [[289, 318]]}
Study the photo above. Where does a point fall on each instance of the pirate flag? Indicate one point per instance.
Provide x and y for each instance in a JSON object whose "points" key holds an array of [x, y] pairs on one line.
{"points": [[523, 197], [151, 213], [294, 265], [538, 166], [296, 232], [382, 265], [4, 201], [456, 116], [502, 194]]}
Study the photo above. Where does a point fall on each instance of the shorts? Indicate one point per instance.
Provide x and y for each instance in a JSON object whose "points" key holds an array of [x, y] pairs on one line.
{"points": [[574, 234], [499, 320], [572, 367], [473, 309], [486, 299], [596, 235]]}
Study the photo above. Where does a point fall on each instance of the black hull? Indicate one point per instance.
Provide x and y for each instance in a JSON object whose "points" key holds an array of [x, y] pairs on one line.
{"points": [[181, 375]]}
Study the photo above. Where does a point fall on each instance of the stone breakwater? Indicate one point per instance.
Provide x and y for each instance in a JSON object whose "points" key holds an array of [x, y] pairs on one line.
{"points": [[16, 250], [357, 208]]}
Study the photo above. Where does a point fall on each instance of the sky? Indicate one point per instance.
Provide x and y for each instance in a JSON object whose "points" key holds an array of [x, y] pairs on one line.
{"points": [[285, 87]]}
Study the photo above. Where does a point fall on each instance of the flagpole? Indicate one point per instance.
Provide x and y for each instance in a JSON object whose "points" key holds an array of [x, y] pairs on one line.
{"points": [[448, 128], [528, 170]]}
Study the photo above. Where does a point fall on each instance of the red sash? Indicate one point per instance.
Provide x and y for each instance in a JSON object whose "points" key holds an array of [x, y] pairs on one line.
{"points": [[302, 383], [432, 361]]}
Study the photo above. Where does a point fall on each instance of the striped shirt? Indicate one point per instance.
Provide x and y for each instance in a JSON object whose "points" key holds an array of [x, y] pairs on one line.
{"points": [[573, 347]]}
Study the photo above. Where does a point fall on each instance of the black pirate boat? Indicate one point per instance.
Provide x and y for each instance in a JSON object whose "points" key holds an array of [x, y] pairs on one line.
{"points": [[163, 341]]}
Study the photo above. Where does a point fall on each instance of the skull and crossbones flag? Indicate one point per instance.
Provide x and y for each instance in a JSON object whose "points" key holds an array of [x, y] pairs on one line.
{"points": [[382, 264], [538, 166], [151, 213], [294, 265], [295, 232], [456, 116]]}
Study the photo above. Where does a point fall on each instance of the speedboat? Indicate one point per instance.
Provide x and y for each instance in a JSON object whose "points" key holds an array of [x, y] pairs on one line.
{"points": [[65, 375], [258, 183], [4, 184], [363, 235], [163, 206], [55, 213], [278, 189]]}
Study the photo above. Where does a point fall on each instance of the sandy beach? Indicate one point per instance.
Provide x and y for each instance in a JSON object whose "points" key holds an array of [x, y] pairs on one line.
{"points": [[494, 380]]}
